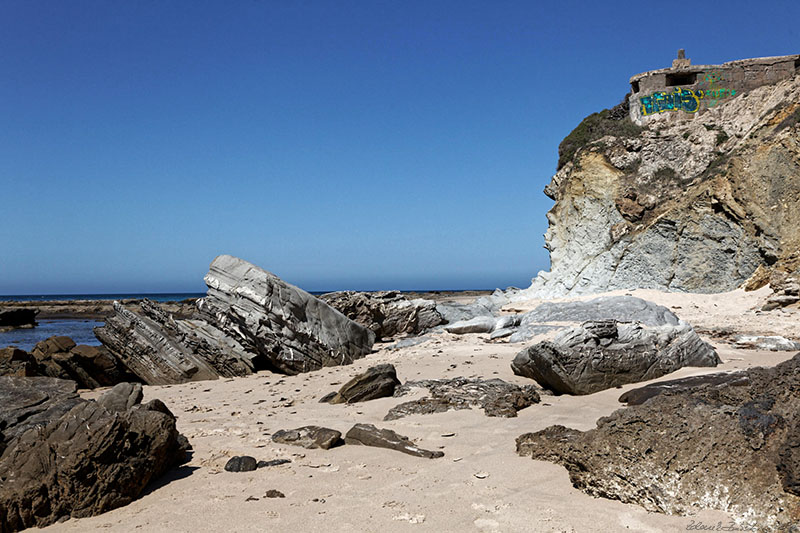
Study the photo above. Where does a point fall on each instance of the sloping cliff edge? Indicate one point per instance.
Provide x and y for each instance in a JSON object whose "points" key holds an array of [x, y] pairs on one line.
{"points": [[696, 202]]}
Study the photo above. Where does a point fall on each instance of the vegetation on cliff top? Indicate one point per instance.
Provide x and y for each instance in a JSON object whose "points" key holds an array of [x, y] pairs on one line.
{"points": [[612, 121]]}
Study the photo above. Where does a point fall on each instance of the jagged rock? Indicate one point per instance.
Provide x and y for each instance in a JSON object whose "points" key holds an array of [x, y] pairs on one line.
{"points": [[17, 318], [33, 402], [89, 366], [369, 435], [310, 437], [642, 394], [495, 396], [773, 343], [731, 447], [88, 461], [162, 350], [16, 362], [377, 382], [786, 290], [387, 313], [690, 202], [290, 329], [603, 354], [241, 463]]}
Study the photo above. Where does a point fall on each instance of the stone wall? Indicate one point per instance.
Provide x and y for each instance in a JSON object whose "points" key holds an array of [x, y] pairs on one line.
{"points": [[686, 88]]}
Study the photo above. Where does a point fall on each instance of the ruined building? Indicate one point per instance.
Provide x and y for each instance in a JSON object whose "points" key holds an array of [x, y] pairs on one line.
{"points": [[691, 88]]}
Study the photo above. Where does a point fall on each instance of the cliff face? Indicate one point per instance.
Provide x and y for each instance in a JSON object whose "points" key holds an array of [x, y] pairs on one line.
{"points": [[689, 202]]}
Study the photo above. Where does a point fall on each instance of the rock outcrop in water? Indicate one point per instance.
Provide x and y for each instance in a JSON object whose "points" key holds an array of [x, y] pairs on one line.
{"points": [[250, 320], [689, 202], [603, 354], [730, 444], [94, 457], [17, 318]]}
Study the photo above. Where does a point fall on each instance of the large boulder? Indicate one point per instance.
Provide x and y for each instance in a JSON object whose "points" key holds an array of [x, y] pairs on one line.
{"points": [[97, 456], [291, 330], [604, 354], [387, 313], [377, 382], [726, 446]]}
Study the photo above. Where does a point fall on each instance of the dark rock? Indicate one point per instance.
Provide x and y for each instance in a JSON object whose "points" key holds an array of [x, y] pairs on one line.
{"points": [[495, 396], [86, 462], [273, 462], [369, 435], [377, 382], [124, 396], [602, 354], [387, 313], [17, 318], [272, 493], [309, 437], [730, 446], [288, 328], [642, 394], [16, 362], [33, 402], [241, 463], [328, 397], [89, 366]]}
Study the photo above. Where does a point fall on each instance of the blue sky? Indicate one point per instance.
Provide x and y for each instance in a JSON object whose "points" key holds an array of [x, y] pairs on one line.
{"points": [[359, 145]]}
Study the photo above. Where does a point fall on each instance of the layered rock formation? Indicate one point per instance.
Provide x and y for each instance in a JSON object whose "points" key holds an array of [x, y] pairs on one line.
{"points": [[387, 313], [603, 354], [729, 444], [96, 456], [17, 318], [689, 202], [250, 320]]}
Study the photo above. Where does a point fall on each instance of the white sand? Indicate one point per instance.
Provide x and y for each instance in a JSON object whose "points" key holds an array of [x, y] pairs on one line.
{"points": [[357, 488]]}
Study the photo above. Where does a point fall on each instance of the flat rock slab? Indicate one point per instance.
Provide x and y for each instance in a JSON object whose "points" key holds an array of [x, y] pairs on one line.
{"points": [[310, 437], [369, 435], [495, 396], [734, 447], [377, 382], [600, 355], [288, 328], [719, 379]]}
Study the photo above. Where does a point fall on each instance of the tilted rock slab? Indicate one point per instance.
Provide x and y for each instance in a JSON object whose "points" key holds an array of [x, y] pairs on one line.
{"points": [[733, 448], [291, 330], [387, 313], [96, 457], [369, 435], [377, 382], [310, 437], [604, 354]]}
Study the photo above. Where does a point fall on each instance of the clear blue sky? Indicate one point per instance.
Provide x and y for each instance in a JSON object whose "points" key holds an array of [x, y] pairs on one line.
{"points": [[338, 144]]}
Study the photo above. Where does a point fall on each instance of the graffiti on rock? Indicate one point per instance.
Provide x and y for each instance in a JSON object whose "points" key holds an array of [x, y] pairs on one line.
{"points": [[686, 100]]}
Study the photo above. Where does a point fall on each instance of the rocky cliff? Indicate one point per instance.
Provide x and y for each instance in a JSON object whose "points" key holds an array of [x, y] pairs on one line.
{"points": [[699, 202]]}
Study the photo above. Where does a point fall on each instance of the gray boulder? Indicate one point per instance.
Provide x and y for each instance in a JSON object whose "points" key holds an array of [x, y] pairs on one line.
{"points": [[715, 381], [377, 382], [369, 435], [387, 313], [310, 437], [287, 328], [603, 354]]}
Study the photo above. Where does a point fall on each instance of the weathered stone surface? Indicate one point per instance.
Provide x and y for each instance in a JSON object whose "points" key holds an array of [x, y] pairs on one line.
{"points": [[291, 330], [310, 437], [603, 354], [13, 318], [785, 289], [89, 366], [774, 343], [716, 380], [160, 349], [495, 396], [241, 463], [88, 461], [16, 362], [369, 435], [731, 447], [387, 313], [33, 402], [377, 382], [687, 203]]}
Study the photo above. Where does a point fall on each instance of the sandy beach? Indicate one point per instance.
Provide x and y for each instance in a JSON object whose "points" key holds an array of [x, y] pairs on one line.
{"points": [[480, 484]]}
